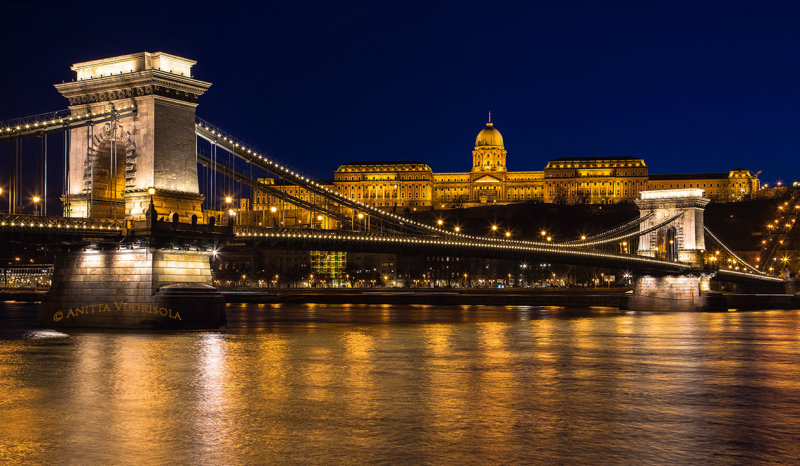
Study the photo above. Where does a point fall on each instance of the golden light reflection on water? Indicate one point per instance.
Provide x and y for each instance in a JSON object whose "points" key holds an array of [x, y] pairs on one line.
{"points": [[470, 385], [21, 435], [445, 384], [212, 393]]}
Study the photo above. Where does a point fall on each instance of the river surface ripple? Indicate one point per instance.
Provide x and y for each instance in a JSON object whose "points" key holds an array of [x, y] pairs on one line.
{"points": [[407, 384]]}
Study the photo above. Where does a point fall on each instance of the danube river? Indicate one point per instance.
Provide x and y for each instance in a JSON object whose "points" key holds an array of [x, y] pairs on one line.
{"points": [[407, 384]]}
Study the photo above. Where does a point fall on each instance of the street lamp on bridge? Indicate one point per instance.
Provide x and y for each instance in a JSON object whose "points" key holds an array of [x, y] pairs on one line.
{"points": [[36, 200], [364, 218]]}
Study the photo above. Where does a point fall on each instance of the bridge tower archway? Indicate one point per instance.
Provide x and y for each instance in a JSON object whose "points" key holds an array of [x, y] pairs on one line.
{"points": [[680, 240], [666, 243], [111, 156]]}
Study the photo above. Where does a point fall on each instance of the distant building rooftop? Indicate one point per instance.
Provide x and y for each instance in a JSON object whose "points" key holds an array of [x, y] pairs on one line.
{"points": [[598, 157], [388, 165], [389, 162], [690, 176]]}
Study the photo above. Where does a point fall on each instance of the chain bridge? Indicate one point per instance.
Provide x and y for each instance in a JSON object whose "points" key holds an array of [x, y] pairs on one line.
{"points": [[139, 207]]}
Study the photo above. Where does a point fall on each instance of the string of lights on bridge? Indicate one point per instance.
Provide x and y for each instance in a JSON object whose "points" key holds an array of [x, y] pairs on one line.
{"points": [[52, 122], [68, 223], [262, 232]]}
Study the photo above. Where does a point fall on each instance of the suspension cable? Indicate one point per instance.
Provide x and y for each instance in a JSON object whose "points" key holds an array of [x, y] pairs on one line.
{"points": [[58, 121], [625, 226], [728, 250]]}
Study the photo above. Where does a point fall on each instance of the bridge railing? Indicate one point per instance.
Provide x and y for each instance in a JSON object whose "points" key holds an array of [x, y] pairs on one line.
{"points": [[14, 221], [367, 241]]}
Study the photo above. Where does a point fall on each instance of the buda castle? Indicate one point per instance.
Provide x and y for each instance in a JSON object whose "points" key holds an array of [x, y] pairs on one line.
{"points": [[411, 185]]}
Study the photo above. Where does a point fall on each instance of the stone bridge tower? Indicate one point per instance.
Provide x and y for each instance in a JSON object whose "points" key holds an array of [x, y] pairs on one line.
{"points": [[682, 240], [113, 164]]}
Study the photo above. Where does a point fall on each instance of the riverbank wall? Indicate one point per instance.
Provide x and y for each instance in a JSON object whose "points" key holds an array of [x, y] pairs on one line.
{"points": [[569, 297]]}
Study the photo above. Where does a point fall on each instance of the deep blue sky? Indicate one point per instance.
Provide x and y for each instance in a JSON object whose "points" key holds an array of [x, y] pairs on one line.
{"points": [[691, 87]]}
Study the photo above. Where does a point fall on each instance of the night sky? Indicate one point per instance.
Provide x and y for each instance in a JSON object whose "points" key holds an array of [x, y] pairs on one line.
{"points": [[689, 88]]}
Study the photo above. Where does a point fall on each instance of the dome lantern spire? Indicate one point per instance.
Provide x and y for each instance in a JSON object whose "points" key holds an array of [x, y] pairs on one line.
{"points": [[489, 136]]}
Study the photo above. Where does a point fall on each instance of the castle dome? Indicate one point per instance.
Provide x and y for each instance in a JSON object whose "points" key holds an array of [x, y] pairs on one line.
{"points": [[489, 136]]}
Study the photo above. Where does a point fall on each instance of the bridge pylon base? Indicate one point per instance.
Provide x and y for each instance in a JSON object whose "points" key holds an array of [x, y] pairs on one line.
{"points": [[144, 288], [166, 203], [673, 293]]}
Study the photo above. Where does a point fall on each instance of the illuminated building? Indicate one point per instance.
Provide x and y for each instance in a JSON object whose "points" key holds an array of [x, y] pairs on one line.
{"points": [[594, 180], [386, 184], [407, 186], [328, 267], [721, 187]]}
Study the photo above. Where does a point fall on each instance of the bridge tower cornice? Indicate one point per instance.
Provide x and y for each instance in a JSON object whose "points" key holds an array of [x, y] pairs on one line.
{"points": [[678, 203], [133, 85]]}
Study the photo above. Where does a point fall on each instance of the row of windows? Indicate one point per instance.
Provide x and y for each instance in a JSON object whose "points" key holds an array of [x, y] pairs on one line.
{"points": [[596, 192], [572, 174], [422, 195], [691, 185], [601, 183]]}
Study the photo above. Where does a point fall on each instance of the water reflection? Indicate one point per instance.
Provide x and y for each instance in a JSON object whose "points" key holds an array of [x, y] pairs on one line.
{"points": [[353, 383]]}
